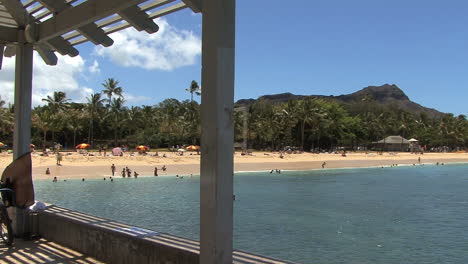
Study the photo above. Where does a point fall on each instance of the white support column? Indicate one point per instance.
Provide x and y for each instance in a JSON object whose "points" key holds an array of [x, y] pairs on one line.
{"points": [[23, 95], [217, 161], [22, 132]]}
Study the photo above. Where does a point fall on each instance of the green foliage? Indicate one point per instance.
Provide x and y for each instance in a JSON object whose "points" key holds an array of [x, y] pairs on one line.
{"points": [[309, 124]]}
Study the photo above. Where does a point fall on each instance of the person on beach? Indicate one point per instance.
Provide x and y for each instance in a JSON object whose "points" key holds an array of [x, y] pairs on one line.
{"points": [[164, 168], [123, 173], [135, 174], [419, 160], [323, 165], [55, 179], [155, 171], [58, 156], [113, 169], [47, 171], [271, 171], [129, 172]]}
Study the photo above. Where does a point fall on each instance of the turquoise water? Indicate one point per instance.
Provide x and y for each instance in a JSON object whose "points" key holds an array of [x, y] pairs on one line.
{"points": [[374, 215]]}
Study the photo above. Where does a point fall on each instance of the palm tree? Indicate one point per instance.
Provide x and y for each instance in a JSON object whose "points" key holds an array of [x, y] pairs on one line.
{"points": [[58, 102], [194, 88], [111, 88], [6, 119], [94, 104], [75, 121], [116, 116], [42, 119]]}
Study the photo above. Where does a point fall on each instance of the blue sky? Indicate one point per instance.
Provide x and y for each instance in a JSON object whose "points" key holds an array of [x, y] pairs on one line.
{"points": [[328, 47]]}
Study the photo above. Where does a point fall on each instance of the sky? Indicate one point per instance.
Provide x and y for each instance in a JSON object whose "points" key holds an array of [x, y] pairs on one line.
{"points": [[319, 47]]}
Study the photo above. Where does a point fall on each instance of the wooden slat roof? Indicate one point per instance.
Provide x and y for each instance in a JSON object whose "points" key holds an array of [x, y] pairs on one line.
{"points": [[58, 25]]}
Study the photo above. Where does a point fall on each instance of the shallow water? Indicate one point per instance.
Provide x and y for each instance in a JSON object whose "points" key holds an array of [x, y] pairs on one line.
{"points": [[375, 215]]}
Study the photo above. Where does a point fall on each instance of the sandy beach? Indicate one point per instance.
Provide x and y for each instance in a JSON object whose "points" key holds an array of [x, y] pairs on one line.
{"points": [[78, 166]]}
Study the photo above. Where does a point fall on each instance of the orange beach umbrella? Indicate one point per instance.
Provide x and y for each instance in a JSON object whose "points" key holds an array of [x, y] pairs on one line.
{"points": [[83, 146], [142, 147], [1, 144], [193, 147]]}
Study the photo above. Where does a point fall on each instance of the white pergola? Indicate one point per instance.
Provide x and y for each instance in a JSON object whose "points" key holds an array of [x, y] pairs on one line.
{"points": [[51, 26]]}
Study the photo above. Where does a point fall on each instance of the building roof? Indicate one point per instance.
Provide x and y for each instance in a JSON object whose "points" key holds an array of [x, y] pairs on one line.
{"points": [[393, 140], [59, 25]]}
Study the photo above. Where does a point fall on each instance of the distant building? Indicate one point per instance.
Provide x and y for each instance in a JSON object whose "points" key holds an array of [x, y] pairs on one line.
{"points": [[392, 143]]}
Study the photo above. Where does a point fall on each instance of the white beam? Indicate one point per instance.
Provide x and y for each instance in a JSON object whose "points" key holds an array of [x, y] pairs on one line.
{"points": [[80, 15], [8, 21], [95, 35], [156, 14], [17, 11], [46, 54], [8, 34], [138, 19], [2, 48], [62, 46], [195, 5], [90, 31], [217, 145], [114, 19], [9, 52]]}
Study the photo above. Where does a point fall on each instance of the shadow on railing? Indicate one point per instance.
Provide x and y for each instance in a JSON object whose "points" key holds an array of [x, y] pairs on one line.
{"points": [[74, 229], [41, 251]]}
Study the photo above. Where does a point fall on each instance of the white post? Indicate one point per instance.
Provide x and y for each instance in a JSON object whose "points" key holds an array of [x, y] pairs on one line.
{"points": [[23, 95], [22, 132], [217, 141]]}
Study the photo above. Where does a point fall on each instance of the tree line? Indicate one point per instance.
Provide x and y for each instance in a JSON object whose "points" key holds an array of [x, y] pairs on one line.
{"points": [[310, 124]]}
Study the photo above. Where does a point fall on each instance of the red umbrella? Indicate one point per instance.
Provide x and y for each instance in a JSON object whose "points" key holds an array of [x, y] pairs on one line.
{"points": [[83, 146]]}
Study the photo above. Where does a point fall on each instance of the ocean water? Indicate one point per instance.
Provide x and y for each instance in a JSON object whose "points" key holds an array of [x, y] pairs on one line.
{"points": [[413, 214]]}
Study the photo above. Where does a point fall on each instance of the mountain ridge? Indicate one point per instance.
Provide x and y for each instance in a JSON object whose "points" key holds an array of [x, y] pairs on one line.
{"points": [[386, 95]]}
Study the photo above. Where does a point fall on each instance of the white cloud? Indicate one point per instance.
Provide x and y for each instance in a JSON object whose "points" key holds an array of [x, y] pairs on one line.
{"points": [[94, 68], [47, 79], [135, 99], [167, 49]]}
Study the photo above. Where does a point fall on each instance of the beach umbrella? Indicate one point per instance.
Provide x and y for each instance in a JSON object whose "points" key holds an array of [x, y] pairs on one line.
{"points": [[1, 145], [32, 145], [116, 151], [181, 150], [193, 148], [83, 146], [142, 147]]}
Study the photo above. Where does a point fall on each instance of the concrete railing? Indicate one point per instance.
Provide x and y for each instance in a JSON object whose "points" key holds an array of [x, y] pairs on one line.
{"points": [[113, 242]]}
